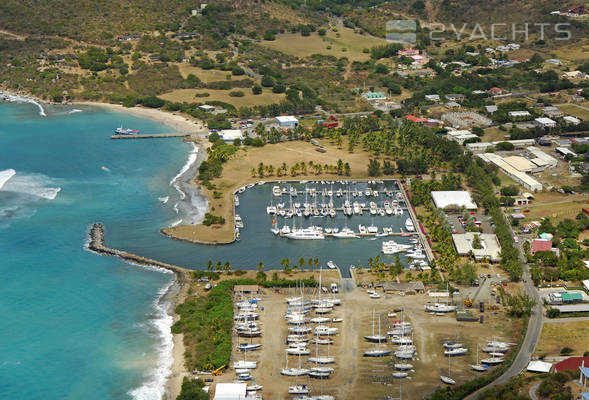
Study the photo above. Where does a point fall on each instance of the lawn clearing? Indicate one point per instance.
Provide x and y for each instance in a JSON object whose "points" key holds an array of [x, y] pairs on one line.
{"points": [[556, 206], [557, 334], [493, 135], [301, 46], [205, 75], [575, 111], [188, 95]]}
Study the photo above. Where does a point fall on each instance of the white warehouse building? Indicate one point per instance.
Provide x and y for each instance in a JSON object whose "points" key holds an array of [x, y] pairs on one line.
{"points": [[520, 177], [286, 121], [453, 198]]}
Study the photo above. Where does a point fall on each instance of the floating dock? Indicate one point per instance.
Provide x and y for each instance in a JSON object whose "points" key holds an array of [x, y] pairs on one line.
{"points": [[151, 136]]}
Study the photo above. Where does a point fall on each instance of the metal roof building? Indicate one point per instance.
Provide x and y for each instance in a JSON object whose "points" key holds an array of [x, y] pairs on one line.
{"points": [[457, 198], [520, 163], [540, 158], [286, 121], [491, 249], [520, 177], [573, 308]]}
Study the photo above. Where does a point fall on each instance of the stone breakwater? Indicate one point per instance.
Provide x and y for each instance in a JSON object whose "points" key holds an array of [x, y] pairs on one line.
{"points": [[96, 244]]}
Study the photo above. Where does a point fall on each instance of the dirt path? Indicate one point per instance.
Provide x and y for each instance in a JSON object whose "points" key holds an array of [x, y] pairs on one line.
{"points": [[12, 35]]}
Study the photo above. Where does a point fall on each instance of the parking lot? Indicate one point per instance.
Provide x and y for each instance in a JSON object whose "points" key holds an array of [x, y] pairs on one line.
{"points": [[459, 222]]}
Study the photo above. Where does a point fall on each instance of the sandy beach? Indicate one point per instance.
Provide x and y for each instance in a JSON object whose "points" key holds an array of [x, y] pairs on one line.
{"points": [[177, 122], [178, 371]]}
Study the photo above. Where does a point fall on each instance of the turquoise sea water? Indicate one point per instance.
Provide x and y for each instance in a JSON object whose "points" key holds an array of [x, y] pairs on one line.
{"points": [[76, 325]]}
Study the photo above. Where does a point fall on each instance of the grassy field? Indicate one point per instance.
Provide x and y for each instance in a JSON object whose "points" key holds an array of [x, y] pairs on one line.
{"points": [[493, 134], [556, 206], [300, 46], [205, 75], [188, 95], [575, 53], [556, 335], [575, 111]]}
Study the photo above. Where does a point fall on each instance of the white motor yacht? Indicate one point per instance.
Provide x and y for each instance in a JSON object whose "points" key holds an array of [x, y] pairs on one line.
{"points": [[409, 225]]}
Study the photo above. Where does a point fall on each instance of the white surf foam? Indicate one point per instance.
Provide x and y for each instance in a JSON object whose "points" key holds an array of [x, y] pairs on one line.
{"points": [[176, 223], [75, 110], [23, 99], [191, 159], [155, 385], [5, 176], [105, 169], [35, 185], [164, 200]]}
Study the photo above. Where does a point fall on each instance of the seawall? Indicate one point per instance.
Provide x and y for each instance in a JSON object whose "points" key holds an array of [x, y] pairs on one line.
{"points": [[96, 244]]}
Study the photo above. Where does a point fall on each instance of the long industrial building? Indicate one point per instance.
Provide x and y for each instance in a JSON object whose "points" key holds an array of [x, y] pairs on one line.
{"points": [[519, 176]]}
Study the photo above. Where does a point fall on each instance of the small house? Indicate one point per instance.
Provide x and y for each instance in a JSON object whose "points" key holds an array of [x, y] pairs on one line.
{"points": [[495, 91], [408, 52], [455, 97]]}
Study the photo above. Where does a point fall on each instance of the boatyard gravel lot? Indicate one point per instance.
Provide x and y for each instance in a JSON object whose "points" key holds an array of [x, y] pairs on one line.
{"points": [[361, 377]]}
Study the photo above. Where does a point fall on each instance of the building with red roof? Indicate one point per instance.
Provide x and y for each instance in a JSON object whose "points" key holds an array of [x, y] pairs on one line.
{"points": [[408, 52], [541, 245], [571, 364], [413, 118], [496, 91]]}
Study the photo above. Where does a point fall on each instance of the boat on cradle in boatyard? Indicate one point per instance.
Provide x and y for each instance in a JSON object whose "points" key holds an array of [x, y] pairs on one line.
{"points": [[447, 379], [298, 389], [294, 371], [403, 366], [377, 351], [478, 367], [376, 338]]}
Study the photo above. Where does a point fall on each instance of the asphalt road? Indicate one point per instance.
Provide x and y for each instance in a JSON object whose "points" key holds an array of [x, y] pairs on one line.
{"points": [[532, 335]]}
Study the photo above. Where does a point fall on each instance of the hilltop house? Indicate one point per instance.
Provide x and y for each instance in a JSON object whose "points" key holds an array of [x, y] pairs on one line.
{"points": [[408, 52], [495, 91], [457, 97]]}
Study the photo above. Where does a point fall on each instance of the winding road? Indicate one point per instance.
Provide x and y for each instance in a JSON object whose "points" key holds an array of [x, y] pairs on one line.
{"points": [[532, 334]]}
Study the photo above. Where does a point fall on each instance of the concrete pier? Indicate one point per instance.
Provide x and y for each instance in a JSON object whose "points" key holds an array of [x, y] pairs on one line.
{"points": [[150, 136]]}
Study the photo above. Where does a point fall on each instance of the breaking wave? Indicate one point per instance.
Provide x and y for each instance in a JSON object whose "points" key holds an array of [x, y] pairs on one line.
{"points": [[155, 385], [22, 99], [33, 185]]}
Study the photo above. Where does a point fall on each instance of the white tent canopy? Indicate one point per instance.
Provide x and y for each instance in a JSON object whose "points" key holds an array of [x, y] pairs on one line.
{"points": [[457, 198], [539, 366], [230, 391]]}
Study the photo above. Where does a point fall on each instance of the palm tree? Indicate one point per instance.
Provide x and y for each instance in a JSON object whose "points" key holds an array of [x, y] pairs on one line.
{"points": [[316, 262], [260, 266], [285, 262], [310, 263], [301, 263], [227, 266], [209, 265], [218, 266]]}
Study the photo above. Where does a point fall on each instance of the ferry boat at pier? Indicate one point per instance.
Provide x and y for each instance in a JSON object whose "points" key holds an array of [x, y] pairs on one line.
{"points": [[121, 131]]}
